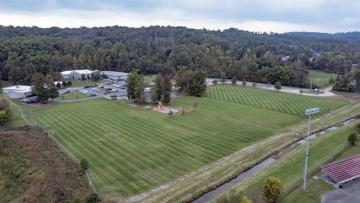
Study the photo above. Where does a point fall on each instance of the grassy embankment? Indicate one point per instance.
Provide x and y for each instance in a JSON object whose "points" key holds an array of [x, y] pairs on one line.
{"points": [[289, 168], [34, 169]]}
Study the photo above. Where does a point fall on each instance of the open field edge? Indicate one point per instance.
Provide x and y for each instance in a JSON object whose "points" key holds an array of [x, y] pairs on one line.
{"points": [[193, 184]]}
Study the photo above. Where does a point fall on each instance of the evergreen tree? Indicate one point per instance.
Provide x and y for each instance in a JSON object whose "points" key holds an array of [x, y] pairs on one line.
{"points": [[40, 89], [356, 78], [139, 89], [131, 84], [277, 85], [166, 90], [157, 89], [197, 84]]}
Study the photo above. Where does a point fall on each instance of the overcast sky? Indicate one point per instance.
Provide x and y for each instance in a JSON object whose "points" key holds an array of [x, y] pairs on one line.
{"points": [[254, 15]]}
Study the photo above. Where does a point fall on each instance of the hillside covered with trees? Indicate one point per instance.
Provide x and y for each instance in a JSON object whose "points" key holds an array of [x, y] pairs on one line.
{"points": [[230, 53]]}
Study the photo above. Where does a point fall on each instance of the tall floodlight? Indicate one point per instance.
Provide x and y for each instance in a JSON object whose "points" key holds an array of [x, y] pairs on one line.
{"points": [[308, 112]]}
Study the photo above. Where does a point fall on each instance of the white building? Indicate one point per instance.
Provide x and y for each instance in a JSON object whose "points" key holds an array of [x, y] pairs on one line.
{"points": [[17, 92], [114, 75], [77, 74]]}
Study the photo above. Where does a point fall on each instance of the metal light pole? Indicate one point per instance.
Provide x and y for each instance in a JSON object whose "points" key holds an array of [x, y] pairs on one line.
{"points": [[308, 112]]}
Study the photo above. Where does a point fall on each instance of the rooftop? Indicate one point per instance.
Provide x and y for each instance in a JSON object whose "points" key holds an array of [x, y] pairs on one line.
{"points": [[83, 71], [343, 170], [114, 73], [19, 88]]}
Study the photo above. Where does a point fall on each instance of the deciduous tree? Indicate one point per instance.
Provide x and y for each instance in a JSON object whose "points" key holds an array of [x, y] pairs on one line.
{"points": [[272, 189]]}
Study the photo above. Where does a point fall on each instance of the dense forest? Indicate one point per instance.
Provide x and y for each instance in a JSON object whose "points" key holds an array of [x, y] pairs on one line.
{"points": [[231, 53]]}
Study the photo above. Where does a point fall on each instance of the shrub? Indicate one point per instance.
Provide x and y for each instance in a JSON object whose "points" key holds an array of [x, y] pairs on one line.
{"points": [[277, 85], [84, 164], [352, 139], [245, 199], [214, 82], [272, 189], [4, 111], [357, 128], [4, 104], [233, 80], [3, 115], [93, 198]]}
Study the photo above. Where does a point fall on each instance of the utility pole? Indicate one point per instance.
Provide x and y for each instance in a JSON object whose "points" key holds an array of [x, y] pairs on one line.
{"points": [[308, 112]]}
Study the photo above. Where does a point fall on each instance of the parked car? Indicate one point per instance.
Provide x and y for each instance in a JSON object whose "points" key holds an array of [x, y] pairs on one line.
{"points": [[91, 95], [31, 100]]}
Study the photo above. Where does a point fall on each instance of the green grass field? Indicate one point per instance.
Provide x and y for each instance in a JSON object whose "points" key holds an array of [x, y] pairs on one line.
{"points": [[282, 102], [319, 78], [73, 95], [131, 150]]}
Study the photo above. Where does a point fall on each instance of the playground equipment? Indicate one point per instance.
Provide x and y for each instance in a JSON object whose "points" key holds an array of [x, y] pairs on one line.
{"points": [[160, 105]]}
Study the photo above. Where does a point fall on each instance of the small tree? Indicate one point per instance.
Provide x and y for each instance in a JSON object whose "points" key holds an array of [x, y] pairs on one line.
{"points": [[53, 92], [223, 76], [357, 128], [245, 199], [139, 90], [233, 80], [171, 113], [96, 76], [69, 83], [166, 89], [84, 164], [93, 198], [272, 189], [40, 86], [157, 89], [277, 85], [352, 139]]}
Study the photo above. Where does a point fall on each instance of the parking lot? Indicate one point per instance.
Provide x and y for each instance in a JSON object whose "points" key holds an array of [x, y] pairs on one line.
{"points": [[110, 90], [349, 193]]}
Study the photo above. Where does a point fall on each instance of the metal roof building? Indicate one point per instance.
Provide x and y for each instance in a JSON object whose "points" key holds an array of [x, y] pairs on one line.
{"points": [[341, 172], [17, 92]]}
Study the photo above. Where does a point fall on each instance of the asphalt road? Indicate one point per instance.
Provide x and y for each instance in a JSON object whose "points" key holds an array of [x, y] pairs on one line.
{"points": [[350, 193]]}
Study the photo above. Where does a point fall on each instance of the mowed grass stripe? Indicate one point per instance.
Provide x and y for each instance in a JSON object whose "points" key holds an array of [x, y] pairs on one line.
{"points": [[133, 150], [278, 101]]}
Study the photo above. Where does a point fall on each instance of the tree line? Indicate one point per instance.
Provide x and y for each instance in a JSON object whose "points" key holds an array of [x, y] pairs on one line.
{"points": [[231, 53], [190, 82]]}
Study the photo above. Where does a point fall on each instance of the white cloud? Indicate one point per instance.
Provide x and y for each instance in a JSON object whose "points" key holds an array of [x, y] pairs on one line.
{"points": [[253, 15], [71, 18]]}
